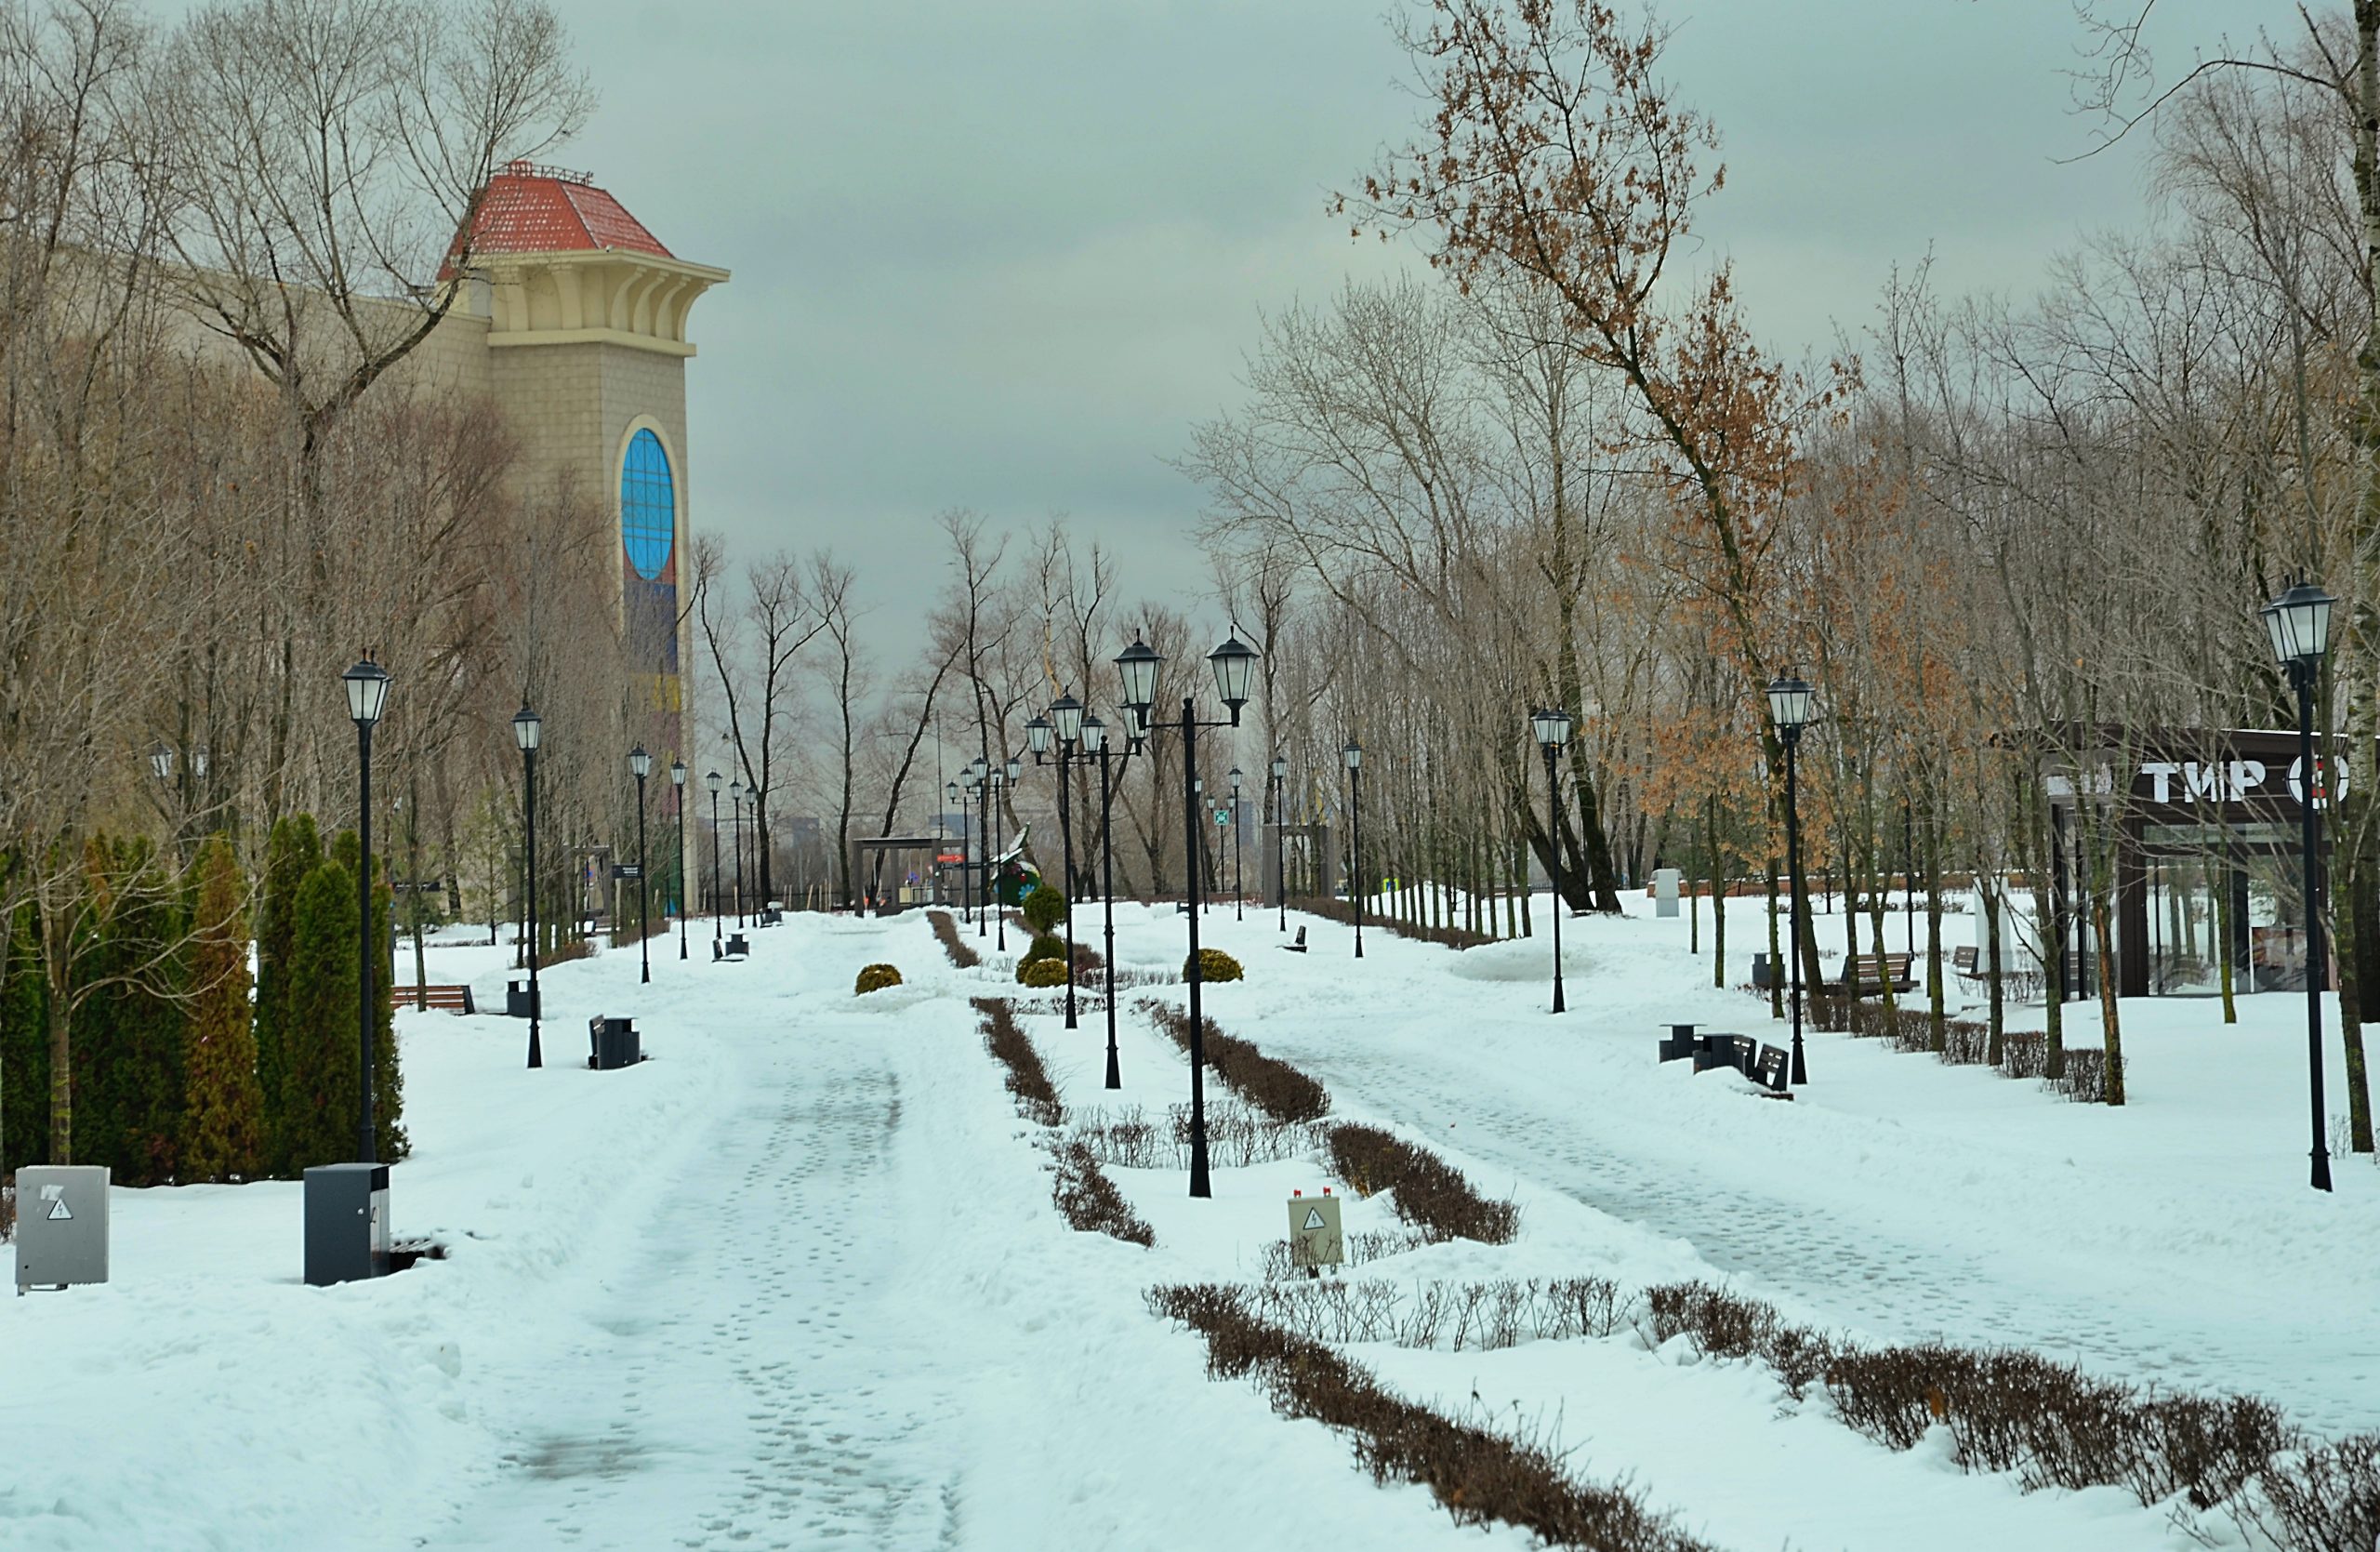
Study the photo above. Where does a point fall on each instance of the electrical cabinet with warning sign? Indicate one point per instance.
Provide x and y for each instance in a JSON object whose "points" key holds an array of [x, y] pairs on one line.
{"points": [[1314, 1240], [61, 1224]]}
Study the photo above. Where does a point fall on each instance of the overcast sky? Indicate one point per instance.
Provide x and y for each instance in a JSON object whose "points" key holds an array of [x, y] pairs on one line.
{"points": [[1005, 256]]}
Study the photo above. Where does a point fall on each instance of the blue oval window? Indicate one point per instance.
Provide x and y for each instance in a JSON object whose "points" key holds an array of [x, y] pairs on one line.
{"points": [[648, 505]]}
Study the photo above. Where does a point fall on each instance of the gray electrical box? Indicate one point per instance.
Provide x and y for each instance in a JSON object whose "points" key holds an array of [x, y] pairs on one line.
{"points": [[612, 1042], [347, 1223], [61, 1224]]}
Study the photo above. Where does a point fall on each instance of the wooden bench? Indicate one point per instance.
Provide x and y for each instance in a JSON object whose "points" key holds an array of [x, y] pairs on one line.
{"points": [[1866, 972], [455, 999]]}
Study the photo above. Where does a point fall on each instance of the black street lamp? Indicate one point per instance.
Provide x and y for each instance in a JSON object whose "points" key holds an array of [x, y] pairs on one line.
{"points": [[1789, 706], [735, 812], [950, 800], [717, 914], [1353, 756], [1239, 873], [1003, 780], [678, 780], [1233, 664], [1552, 729], [642, 764], [1281, 824], [1094, 745], [528, 731], [978, 780], [1065, 720], [2299, 621], [367, 692]]}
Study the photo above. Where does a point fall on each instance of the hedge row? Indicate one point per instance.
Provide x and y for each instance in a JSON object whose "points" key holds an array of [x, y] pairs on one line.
{"points": [[1037, 1097], [946, 927], [1273, 1086], [1340, 911], [1477, 1476]]}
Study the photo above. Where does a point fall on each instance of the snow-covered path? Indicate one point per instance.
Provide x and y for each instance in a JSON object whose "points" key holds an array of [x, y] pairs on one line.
{"points": [[743, 1382]]}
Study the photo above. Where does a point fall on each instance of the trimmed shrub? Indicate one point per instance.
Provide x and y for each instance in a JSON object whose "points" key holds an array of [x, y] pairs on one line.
{"points": [[1045, 946], [876, 977], [946, 927], [1089, 1201], [1213, 965], [1478, 1476], [1045, 910], [1431, 1194], [1037, 1097], [223, 1117], [1274, 1087], [1042, 973]]}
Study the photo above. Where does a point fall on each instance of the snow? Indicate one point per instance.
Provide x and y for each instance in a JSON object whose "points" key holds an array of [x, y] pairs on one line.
{"points": [[796, 1281]]}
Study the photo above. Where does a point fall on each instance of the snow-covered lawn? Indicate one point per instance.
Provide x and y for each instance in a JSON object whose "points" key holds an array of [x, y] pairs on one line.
{"points": [[798, 1281]]}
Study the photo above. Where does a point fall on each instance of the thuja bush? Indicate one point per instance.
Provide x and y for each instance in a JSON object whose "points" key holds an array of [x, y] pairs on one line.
{"points": [[1045, 946], [1089, 1201], [1272, 1086], [1478, 1475], [947, 929], [1037, 1097], [1431, 1194], [1041, 973], [876, 977], [223, 1115], [1214, 966], [1045, 910]]}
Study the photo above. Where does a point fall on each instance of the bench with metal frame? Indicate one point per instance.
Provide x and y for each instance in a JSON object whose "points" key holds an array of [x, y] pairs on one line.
{"points": [[442, 998]]}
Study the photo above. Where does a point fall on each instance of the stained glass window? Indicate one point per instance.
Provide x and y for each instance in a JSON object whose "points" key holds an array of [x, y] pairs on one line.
{"points": [[648, 505]]}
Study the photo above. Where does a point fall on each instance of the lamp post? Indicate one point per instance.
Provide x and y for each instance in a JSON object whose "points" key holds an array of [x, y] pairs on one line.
{"points": [[528, 731], [1552, 729], [1233, 664], [1239, 873], [1003, 780], [710, 779], [2299, 621], [978, 780], [735, 813], [1065, 720], [640, 764], [1788, 708], [1353, 756], [678, 780], [367, 692], [1281, 824], [1094, 745], [950, 800]]}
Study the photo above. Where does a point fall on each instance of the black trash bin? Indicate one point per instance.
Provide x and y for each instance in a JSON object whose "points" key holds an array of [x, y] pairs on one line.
{"points": [[517, 1001]]}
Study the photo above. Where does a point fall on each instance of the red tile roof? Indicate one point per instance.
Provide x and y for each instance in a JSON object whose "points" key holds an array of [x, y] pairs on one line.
{"points": [[533, 209]]}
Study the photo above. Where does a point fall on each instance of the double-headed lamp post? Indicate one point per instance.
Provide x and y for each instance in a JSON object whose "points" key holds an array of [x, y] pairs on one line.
{"points": [[367, 693], [1790, 700], [1238, 880], [710, 779], [1551, 727], [951, 800], [978, 780], [1234, 664], [2299, 621], [678, 780], [528, 731], [1094, 746], [640, 765], [1353, 756], [1064, 720]]}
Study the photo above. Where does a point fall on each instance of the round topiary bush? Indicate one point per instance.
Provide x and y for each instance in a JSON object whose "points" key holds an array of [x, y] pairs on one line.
{"points": [[1214, 966], [876, 977], [1047, 945], [1043, 972], [1045, 910]]}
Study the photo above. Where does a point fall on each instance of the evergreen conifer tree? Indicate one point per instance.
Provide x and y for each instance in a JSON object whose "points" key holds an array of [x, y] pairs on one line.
{"points": [[223, 1119], [24, 1049], [390, 1141], [321, 1064], [130, 1033], [292, 853]]}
